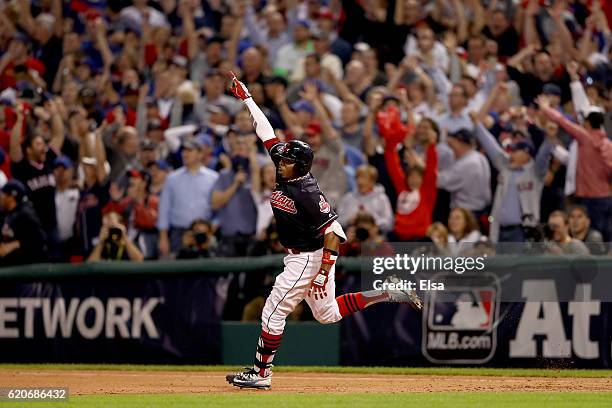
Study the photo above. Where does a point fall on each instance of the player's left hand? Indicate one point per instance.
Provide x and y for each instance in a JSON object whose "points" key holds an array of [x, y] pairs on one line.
{"points": [[317, 286], [238, 88]]}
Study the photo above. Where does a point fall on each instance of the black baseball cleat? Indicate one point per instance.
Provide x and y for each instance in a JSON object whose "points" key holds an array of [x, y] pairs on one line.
{"points": [[249, 379]]}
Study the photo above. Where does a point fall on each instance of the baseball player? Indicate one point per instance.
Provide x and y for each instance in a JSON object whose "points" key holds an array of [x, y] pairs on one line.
{"points": [[308, 230]]}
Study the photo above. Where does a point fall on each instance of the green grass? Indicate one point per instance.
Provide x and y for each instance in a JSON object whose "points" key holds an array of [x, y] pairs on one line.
{"points": [[445, 371], [271, 400]]}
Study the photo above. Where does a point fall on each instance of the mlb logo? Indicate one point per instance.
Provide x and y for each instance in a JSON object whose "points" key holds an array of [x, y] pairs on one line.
{"points": [[460, 323], [465, 308]]}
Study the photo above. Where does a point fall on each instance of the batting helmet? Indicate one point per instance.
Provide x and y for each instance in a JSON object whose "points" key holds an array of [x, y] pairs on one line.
{"points": [[300, 153]]}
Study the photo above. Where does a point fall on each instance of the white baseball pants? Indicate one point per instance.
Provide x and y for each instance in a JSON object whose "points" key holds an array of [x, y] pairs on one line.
{"points": [[291, 287]]}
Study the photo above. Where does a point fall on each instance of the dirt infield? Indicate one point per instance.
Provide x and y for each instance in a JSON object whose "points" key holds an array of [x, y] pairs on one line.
{"points": [[162, 382]]}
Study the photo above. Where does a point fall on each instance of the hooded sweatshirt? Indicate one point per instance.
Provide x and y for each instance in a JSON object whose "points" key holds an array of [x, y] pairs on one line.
{"points": [[374, 202], [414, 207]]}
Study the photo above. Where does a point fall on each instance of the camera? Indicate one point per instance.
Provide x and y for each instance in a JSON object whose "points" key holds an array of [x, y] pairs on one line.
{"points": [[362, 234], [200, 238], [114, 234]]}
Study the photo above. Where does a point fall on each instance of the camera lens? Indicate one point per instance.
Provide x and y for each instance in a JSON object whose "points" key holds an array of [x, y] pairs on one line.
{"points": [[200, 238]]}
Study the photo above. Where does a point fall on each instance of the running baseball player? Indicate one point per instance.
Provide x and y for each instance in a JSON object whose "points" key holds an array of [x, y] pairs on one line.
{"points": [[308, 230]]}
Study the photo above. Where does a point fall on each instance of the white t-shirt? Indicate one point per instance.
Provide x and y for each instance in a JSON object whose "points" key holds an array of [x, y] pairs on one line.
{"points": [[66, 203], [264, 211]]}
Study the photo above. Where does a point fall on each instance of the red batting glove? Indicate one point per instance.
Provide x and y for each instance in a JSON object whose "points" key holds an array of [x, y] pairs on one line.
{"points": [[238, 88], [317, 285]]}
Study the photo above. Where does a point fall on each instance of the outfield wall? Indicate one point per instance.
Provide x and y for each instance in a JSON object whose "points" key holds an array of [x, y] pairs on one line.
{"points": [[171, 312]]}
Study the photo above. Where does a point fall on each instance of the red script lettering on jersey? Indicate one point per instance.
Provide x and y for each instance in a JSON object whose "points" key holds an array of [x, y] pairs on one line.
{"points": [[324, 205], [282, 202]]}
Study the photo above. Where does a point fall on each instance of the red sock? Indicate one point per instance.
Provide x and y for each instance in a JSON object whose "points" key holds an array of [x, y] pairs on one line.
{"points": [[350, 303], [266, 349]]}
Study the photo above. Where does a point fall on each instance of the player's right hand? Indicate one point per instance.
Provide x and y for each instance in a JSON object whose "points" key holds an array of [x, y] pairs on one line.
{"points": [[317, 286], [238, 88]]}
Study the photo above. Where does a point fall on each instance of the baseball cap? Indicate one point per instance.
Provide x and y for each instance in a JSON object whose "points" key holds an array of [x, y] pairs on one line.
{"points": [[147, 144], [325, 12], [205, 139], [313, 128], [135, 173], [16, 189], [161, 164], [551, 89], [63, 161], [191, 144], [523, 145], [303, 105], [303, 23], [593, 109], [463, 135]]}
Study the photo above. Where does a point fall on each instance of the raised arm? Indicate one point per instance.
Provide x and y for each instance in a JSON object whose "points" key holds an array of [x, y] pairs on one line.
{"points": [[189, 31], [15, 152], [576, 131], [530, 31], [579, 97], [263, 128], [390, 129], [494, 151], [564, 35], [542, 159], [479, 17], [254, 31], [431, 172], [57, 126], [311, 94]]}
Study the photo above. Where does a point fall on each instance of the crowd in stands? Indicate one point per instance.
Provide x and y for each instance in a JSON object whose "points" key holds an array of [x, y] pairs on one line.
{"points": [[448, 121]]}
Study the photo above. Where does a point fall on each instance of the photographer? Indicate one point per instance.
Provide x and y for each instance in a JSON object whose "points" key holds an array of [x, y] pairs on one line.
{"points": [[114, 243], [140, 208], [364, 237], [198, 241]]}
